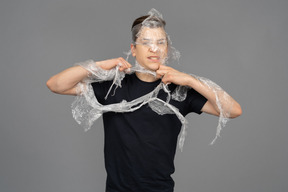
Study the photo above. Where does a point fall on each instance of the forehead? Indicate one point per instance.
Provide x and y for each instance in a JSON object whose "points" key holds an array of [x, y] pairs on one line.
{"points": [[152, 33]]}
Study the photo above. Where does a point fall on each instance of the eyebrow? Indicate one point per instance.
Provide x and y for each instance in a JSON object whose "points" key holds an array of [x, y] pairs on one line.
{"points": [[145, 39]]}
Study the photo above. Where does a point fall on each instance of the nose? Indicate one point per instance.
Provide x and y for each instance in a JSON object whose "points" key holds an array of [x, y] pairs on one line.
{"points": [[153, 48]]}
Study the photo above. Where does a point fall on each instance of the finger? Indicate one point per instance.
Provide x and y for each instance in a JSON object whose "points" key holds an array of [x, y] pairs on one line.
{"points": [[128, 65], [165, 80], [125, 63], [120, 64], [161, 72], [128, 70], [123, 67], [164, 67]]}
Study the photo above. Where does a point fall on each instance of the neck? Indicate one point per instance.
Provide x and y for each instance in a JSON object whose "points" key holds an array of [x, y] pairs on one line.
{"points": [[146, 77]]}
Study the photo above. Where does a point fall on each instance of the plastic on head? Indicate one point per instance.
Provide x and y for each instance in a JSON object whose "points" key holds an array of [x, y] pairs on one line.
{"points": [[86, 109], [150, 33]]}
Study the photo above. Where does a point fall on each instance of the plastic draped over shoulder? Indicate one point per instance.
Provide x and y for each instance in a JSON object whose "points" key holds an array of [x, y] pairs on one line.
{"points": [[86, 109]]}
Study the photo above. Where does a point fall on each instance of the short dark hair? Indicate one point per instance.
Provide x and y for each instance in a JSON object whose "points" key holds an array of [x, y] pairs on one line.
{"points": [[137, 24]]}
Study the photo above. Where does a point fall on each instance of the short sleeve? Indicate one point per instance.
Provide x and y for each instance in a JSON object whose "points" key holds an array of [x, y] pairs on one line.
{"points": [[100, 90], [196, 101]]}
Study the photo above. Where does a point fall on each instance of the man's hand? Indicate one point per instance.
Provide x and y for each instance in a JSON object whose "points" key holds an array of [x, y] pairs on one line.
{"points": [[230, 107], [111, 63], [65, 82], [170, 75]]}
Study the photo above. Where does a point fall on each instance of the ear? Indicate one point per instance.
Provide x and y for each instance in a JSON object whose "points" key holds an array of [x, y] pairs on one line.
{"points": [[132, 46]]}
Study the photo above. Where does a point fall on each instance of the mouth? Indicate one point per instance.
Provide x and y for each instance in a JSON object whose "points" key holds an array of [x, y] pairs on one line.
{"points": [[154, 58]]}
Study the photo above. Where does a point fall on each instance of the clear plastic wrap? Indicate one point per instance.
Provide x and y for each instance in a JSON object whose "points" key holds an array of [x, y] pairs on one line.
{"points": [[155, 40], [221, 98], [86, 109]]}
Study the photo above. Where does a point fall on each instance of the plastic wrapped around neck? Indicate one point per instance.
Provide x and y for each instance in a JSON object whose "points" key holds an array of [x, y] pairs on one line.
{"points": [[86, 109]]}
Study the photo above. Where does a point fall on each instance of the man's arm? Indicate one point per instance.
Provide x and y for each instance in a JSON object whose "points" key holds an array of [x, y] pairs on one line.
{"points": [[229, 106], [65, 82]]}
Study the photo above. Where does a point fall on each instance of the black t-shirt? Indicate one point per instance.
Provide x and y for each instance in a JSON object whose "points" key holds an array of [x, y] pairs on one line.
{"points": [[140, 146]]}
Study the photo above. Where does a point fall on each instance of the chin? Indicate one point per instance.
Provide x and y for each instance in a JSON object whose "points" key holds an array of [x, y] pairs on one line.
{"points": [[154, 66], [151, 66]]}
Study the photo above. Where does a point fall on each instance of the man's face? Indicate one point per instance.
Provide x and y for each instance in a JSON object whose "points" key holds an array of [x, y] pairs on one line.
{"points": [[151, 48]]}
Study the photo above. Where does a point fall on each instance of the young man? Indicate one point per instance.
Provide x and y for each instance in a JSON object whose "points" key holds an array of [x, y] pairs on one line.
{"points": [[140, 144]]}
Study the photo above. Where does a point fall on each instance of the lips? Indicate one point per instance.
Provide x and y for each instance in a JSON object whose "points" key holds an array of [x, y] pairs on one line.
{"points": [[154, 58]]}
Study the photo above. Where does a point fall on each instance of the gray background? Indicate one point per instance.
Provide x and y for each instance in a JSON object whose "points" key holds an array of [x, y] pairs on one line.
{"points": [[241, 45]]}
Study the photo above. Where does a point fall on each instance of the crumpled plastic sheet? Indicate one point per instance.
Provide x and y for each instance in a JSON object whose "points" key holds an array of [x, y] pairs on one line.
{"points": [[221, 98], [86, 109], [151, 22]]}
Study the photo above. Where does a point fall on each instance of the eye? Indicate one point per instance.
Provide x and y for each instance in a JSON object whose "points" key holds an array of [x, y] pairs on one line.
{"points": [[146, 43], [162, 42]]}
